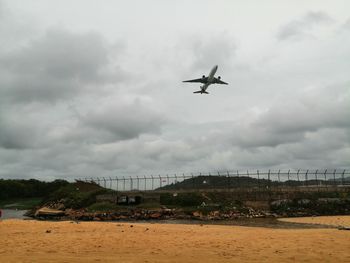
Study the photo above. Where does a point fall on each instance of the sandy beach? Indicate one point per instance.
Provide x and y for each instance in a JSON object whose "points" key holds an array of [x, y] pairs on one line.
{"points": [[43, 241]]}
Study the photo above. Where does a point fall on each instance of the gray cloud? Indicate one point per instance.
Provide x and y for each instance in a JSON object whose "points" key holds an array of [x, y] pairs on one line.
{"points": [[56, 66], [303, 26], [346, 25], [16, 134], [123, 121], [310, 111], [218, 49]]}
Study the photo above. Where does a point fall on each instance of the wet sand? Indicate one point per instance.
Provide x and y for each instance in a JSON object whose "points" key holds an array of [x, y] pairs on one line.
{"points": [[335, 221], [43, 241]]}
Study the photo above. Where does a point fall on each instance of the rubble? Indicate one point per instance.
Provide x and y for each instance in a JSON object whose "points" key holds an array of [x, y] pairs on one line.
{"points": [[46, 212], [232, 211]]}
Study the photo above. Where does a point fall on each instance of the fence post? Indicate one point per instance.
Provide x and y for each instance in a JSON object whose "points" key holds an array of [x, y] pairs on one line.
{"points": [[229, 181], [138, 182], [268, 179], [152, 182], [306, 176], [145, 182], [219, 178], [160, 181], [124, 184], [238, 182], [316, 177], [334, 176], [192, 178], [131, 183], [298, 176], [342, 178], [278, 176], [167, 176], [288, 175], [183, 175], [258, 179], [116, 178], [325, 178], [110, 183]]}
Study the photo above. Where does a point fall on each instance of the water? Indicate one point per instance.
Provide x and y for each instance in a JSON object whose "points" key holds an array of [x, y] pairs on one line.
{"points": [[13, 214]]}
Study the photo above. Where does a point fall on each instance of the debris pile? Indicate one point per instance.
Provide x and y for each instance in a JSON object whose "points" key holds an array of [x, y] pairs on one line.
{"points": [[145, 214]]}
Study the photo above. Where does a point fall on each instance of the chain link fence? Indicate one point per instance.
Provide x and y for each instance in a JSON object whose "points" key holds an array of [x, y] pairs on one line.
{"points": [[227, 180]]}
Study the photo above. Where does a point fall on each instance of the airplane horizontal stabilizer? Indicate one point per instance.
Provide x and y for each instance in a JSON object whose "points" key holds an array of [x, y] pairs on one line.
{"points": [[201, 92]]}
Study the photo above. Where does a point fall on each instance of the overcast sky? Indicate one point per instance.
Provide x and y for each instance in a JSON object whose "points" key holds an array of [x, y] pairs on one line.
{"points": [[94, 88]]}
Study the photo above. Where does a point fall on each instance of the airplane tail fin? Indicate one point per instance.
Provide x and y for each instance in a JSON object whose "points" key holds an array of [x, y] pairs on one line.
{"points": [[201, 92]]}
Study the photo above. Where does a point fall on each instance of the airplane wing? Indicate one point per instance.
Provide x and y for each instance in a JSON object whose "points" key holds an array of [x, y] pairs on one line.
{"points": [[218, 81], [201, 80]]}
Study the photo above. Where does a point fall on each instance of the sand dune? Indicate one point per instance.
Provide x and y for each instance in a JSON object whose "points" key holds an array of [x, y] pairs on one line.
{"points": [[39, 241]]}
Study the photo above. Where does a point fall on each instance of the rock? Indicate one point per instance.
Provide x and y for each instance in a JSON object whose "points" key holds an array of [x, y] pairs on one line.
{"points": [[167, 211], [304, 201], [329, 200], [216, 213], [155, 215], [281, 202], [60, 207], [48, 212], [197, 214]]}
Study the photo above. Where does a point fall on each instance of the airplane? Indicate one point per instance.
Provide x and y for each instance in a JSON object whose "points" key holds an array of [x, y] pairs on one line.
{"points": [[207, 80]]}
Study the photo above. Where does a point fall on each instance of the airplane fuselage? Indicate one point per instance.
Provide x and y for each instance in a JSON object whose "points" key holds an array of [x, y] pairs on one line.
{"points": [[210, 78]]}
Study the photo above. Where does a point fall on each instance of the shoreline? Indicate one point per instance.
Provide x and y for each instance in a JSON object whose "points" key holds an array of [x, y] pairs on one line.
{"points": [[272, 223]]}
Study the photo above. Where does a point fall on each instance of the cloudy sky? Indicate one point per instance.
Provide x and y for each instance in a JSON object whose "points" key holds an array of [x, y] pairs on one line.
{"points": [[94, 88]]}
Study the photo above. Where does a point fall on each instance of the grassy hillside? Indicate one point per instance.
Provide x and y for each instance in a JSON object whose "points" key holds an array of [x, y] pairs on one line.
{"points": [[77, 195], [17, 189], [222, 182]]}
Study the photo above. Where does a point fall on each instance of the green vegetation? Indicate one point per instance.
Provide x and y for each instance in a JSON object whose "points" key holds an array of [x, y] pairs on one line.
{"points": [[219, 182], [103, 207], [182, 200], [77, 195], [152, 205], [225, 182], [26, 194], [11, 189]]}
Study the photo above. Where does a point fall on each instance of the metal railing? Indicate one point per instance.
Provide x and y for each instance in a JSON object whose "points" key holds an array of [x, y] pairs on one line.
{"points": [[227, 180]]}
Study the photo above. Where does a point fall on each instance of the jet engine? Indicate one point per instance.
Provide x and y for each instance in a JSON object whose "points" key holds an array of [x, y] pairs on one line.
{"points": [[203, 76], [219, 78]]}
